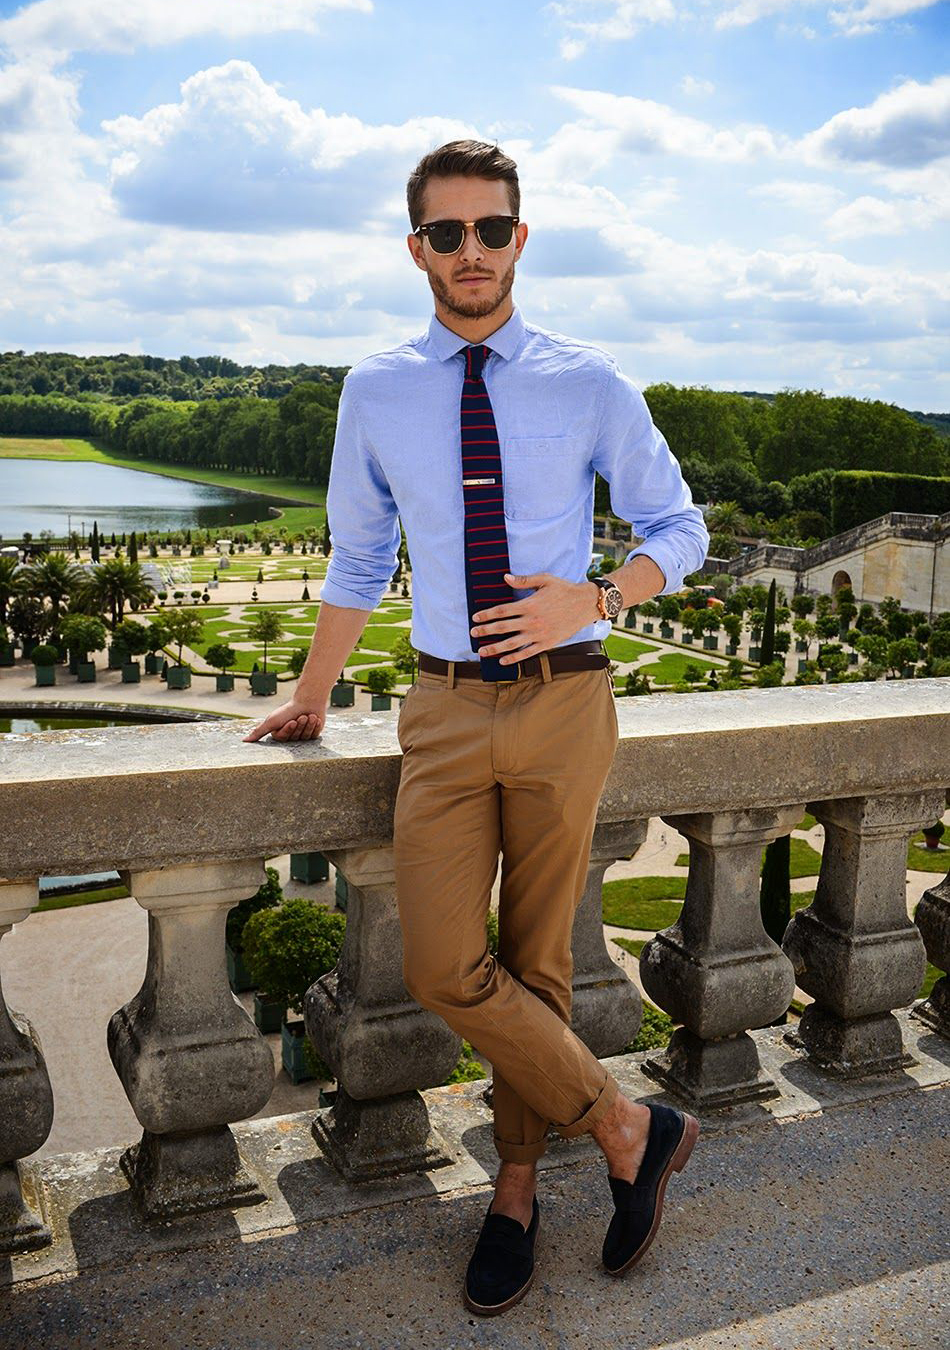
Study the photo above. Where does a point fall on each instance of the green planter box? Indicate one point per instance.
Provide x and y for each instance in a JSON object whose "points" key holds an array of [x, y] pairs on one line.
{"points": [[754, 653], [340, 893], [665, 630], [153, 664], [239, 977], [116, 657], [647, 626], [379, 701], [224, 683], [86, 672], [179, 677], [268, 1013], [688, 637], [264, 682], [342, 696], [131, 672], [292, 1037], [309, 868], [45, 674], [711, 643], [801, 646], [853, 658], [802, 663], [6, 654], [732, 648]]}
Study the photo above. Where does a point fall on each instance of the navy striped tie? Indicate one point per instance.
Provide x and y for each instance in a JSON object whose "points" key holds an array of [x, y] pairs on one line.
{"points": [[486, 541]]}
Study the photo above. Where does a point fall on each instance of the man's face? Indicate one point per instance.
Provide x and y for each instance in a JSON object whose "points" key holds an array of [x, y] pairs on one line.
{"points": [[473, 282]]}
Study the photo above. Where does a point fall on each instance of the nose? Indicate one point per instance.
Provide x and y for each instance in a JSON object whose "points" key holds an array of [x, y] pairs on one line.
{"points": [[471, 247]]}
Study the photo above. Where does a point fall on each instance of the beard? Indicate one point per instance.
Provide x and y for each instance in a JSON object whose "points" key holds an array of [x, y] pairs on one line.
{"points": [[471, 309]]}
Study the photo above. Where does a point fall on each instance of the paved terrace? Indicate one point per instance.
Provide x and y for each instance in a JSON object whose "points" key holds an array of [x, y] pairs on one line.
{"points": [[812, 1213]]}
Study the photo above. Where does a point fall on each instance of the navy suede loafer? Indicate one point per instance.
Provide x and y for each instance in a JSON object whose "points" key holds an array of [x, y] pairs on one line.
{"points": [[502, 1265], [638, 1205]]}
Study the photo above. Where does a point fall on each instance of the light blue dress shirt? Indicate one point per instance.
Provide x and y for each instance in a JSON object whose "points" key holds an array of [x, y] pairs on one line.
{"points": [[563, 408]]}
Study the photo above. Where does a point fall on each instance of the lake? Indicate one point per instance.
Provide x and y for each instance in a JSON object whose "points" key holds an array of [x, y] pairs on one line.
{"points": [[58, 494]]}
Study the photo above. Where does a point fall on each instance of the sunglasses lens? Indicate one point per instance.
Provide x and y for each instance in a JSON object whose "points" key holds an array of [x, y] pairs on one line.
{"points": [[445, 236], [495, 231]]}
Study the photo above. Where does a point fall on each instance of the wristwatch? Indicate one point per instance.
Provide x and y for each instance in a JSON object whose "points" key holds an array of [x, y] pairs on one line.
{"points": [[609, 597]]}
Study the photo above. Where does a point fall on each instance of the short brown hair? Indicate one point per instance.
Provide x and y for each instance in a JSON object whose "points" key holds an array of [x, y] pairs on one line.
{"points": [[473, 159]]}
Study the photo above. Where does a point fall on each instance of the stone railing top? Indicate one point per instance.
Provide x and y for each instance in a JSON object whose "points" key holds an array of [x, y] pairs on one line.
{"points": [[93, 798]]}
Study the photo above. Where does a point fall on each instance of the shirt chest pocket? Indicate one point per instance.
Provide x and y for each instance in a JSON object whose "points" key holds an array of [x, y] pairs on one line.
{"points": [[544, 476]]}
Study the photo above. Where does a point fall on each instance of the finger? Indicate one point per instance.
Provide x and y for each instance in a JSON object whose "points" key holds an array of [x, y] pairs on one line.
{"points": [[257, 732]]}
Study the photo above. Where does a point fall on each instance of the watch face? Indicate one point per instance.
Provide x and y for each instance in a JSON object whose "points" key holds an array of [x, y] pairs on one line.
{"points": [[614, 601]]}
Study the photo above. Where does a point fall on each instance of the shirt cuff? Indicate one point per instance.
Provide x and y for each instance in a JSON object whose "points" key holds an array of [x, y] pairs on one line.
{"points": [[666, 561], [335, 594]]}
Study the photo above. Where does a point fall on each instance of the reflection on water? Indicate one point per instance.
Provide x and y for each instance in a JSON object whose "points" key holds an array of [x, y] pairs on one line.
{"points": [[40, 723], [52, 494]]}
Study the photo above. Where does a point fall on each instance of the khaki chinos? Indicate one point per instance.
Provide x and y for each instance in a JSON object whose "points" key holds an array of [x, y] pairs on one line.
{"points": [[516, 768]]}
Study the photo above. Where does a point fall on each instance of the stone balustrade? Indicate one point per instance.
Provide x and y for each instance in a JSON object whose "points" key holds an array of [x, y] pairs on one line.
{"points": [[190, 813]]}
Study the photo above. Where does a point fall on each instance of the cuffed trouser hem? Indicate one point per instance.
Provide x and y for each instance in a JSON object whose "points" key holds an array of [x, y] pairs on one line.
{"points": [[520, 1153], [595, 1112]]}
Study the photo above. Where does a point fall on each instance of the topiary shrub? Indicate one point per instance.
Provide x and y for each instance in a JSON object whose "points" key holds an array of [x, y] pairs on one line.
{"points": [[267, 896], [288, 947]]}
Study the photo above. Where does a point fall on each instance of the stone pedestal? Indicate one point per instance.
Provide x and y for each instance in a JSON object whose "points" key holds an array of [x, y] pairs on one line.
{"points": [[854, 948], [933, 920], [189, 1057], [382, 1046], [716, 970], [606, 1008], [26, 1102]]}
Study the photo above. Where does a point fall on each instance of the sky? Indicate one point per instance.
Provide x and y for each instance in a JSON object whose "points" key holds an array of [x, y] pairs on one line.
{"points": [[740, 194]]}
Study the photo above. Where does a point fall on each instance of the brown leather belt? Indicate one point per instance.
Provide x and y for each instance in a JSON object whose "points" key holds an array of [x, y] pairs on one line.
{"points": [[588, 655]]}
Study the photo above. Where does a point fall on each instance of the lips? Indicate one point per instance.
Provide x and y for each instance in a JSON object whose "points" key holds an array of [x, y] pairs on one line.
{"points": [[472, 279]]}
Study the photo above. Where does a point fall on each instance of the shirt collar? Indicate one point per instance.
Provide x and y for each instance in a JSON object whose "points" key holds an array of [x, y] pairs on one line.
{"points": [[505, 340]]}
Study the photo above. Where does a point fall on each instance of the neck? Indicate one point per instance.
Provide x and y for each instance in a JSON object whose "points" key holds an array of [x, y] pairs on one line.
{"points": [[475, 330]]}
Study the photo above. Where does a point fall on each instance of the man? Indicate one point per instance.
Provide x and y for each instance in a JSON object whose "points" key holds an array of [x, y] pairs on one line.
{"points": [[483, 434]]}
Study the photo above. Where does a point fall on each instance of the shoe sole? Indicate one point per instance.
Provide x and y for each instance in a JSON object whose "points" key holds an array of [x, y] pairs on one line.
{"points": [[490, 1309], [677, 1162]]}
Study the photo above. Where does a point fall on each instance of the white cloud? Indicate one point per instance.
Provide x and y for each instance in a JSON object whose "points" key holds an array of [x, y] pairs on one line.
{"points": [[613, 21], [63, 26], [851, 17], [875, 215], [642, 126], [695, 86], [857, 17], [235, 154], [799, 194], [903, 128]]}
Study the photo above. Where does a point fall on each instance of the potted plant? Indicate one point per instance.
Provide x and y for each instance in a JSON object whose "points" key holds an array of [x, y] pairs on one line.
{"points": [[712, 623], [688, 618], [286, 949], [380, 680], [309, 867], [83, 633], [157, 632], [183, 627], [267, 896], [220, 655], [669, 610], [732, 623], [342, 694], [265, 627], [650, 609], [130, 640], [44, 657]]}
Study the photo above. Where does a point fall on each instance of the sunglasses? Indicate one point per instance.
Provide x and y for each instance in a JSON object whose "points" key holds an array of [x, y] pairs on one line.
{"points": [[447, 236]]}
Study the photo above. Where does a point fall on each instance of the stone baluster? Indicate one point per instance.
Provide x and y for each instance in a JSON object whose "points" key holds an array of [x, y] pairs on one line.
{"points": [[382, 1046], [190, 1058], [716, 970], [26, 1102], [854, 948], [933, 920], [606, 1008]]}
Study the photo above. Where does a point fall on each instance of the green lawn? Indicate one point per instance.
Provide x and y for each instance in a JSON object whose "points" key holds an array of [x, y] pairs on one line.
{"points": [[671, 667], [625, 649], [803, 860]]}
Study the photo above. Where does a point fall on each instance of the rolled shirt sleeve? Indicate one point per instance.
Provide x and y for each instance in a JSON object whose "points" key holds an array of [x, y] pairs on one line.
{"points": [[647, 487], [363, 519]]}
